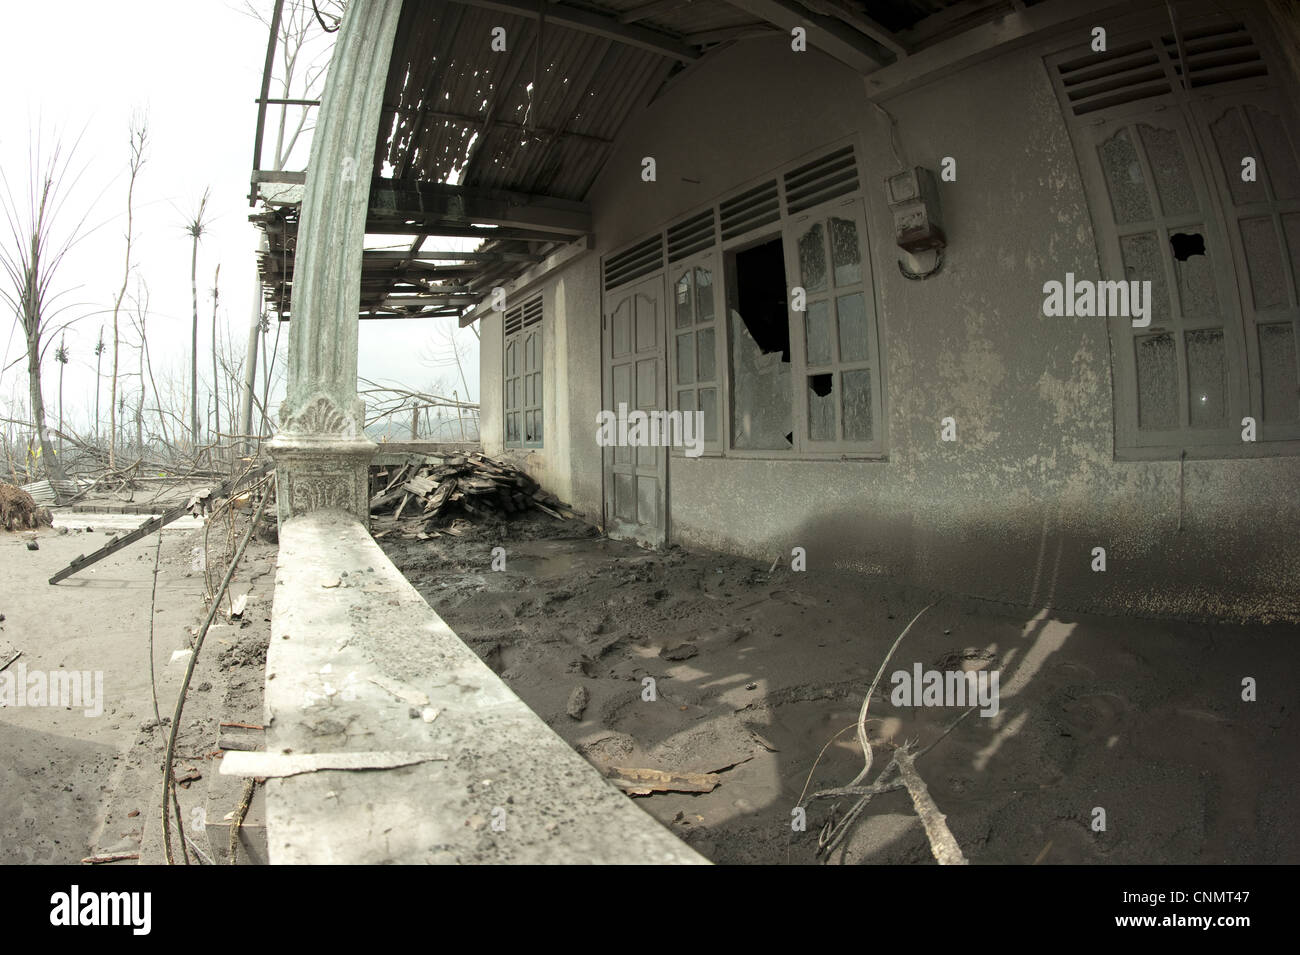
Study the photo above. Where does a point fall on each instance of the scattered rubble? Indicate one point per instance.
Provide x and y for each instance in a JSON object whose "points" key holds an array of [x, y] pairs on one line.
{"points": [[443, 492]]}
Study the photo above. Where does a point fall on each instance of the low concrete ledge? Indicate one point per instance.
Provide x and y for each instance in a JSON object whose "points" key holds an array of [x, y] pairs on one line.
{"points": [[359, 663]]}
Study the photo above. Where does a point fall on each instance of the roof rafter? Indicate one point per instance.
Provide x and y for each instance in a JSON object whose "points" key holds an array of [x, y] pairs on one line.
{"points": [[589, 21], [431, 205], [829, 34]]}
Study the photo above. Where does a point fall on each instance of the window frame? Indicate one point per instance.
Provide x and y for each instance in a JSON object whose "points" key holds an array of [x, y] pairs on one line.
{"points": [[721, 252], [709, 259], [519, 339], [1192, 112]]}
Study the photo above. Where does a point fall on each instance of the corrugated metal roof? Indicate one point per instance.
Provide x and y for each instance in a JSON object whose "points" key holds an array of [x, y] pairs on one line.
{"points": [[535, 123]]}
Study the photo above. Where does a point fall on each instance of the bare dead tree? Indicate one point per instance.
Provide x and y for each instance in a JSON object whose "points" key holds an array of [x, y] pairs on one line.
{"points": [[137, 140], [61, 356], [140, 319], [196, 225], [216, 382], [31, 255], [99, 360]]}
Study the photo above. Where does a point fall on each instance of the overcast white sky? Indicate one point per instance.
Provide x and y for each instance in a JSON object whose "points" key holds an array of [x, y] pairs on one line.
{"points": [[80, 68]]}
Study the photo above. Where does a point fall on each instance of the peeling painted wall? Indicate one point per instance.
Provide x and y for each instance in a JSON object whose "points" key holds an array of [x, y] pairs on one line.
{"points": [[1013, 508]]}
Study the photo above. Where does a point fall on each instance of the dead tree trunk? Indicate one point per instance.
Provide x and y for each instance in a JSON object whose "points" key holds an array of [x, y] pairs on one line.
{"points": [[32, 327]]}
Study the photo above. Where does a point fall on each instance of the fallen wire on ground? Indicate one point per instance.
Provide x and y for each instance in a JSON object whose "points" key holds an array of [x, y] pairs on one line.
{"points": [[899, 773], [169, 778]]}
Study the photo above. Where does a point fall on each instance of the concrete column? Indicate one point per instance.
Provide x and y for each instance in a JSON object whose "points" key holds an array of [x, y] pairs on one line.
{"points": [[321, 452]]}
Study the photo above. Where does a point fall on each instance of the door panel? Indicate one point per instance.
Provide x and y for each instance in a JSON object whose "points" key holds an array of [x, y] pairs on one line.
{"points": [[636, 479]]}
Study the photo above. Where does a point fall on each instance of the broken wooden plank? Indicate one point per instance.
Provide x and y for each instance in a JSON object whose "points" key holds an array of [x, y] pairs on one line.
{"points": [[279, 765], [155, 524], [643, 782]]}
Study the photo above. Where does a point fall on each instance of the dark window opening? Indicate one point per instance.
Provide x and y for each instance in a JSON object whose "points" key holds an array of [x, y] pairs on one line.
{"points": [[1186, 245], [761, 296], [759, 320]]}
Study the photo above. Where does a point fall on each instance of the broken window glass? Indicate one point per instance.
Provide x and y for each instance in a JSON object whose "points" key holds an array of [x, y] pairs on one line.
{"points": [[821, 407], [1197, 289], [760, 349]]}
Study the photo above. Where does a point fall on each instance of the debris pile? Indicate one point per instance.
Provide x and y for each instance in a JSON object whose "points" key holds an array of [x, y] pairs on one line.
{"points": [[18, 512], [438, 490]]}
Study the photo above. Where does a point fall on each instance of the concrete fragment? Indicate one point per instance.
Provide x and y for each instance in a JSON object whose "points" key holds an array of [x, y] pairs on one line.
{"points": [[577, 702]]}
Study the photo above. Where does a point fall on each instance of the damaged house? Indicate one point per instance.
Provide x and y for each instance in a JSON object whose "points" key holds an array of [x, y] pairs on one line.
{"points": [[1001, 298]]}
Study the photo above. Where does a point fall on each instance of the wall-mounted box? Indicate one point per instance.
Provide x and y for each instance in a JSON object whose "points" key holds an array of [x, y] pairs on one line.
{"points": [[914, 201]]}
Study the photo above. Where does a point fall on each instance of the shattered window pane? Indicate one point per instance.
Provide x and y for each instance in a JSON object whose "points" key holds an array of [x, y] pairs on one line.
{"points": [[703, 296], [1207, 378], [1157, 377], [1277, 368], [846, 256], [1197, 290], [857, 405], [1169, 168], [852, 311], [812, 259], [682, 299], [821, 407], [818, 322], [1128, 191], [761, 386]]}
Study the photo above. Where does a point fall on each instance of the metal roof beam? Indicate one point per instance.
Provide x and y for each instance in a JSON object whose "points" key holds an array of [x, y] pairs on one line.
{"points": [[652, 9], [828, 34], [854, 16], [588, 21], [431, 202]]}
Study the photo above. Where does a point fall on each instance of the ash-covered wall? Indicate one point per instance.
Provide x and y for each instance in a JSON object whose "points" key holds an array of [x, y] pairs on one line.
{"points": [[1013, 508]]}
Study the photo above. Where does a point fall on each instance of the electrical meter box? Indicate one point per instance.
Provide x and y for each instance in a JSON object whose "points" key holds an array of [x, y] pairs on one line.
{"points": [[914, 201]]}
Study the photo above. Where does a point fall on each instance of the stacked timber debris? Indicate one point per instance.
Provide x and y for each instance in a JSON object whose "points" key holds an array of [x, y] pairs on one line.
{"points": [[438, 490]]}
